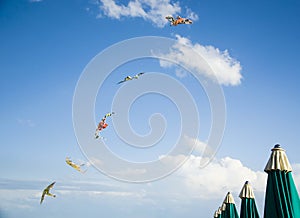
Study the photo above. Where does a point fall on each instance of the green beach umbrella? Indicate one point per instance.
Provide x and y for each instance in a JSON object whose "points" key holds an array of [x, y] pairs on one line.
{"points": [[281, 199], [220, 212], [216, 214], [248, 206], [228, 207]]}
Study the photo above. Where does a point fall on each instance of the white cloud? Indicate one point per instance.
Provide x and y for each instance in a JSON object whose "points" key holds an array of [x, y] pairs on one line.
{"points": [[22, 194], [195, 144], [214, 180], [198, 145], [192, 15], [217, 178], [20, 198], [130, 172], [96, 193], [119, 194], [150, 10], [180, 73], [189, 186], [211, 62]]}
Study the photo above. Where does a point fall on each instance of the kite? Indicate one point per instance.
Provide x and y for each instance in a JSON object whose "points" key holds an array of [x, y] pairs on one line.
{"points": [[46, 192], [102, 124], [178, 20], [127, 78], [109, 114], [75, 166]]}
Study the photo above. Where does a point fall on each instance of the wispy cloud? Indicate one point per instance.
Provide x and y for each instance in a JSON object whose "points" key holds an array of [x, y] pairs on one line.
{"points": [[95, 193], [189, 184], [198, 145], [180, 73], [193, 144], [18, 198], [20, 184], [216, 65], [25, 194], [33, 1], [154, 11]]}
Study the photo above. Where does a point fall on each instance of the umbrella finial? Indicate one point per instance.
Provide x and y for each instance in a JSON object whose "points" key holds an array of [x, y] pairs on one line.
{"points": [[277, 146], [247, 182]]}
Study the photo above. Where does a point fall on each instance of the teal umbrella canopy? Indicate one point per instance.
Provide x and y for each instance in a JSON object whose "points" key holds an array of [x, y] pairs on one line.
{"points": [[282, 199], [248, 205], [228, 207]]}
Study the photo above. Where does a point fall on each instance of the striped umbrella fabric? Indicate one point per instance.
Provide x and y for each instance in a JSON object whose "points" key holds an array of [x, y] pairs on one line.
{"points": [[248, 205], [228, 207], [282, 199]]}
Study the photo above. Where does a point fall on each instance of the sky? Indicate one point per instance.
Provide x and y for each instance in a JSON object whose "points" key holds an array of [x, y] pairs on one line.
{"points": [[221, 91]]}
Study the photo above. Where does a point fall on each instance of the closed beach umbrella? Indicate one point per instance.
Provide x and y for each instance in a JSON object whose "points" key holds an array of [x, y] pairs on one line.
{"points": [[282, 199], [220, 212], [228, 208], [216, 214], [248, 206]]}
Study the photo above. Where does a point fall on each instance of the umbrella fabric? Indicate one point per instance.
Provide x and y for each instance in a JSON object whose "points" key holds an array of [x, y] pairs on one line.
{"points": [[216, 214], [220, 212], [282, 199], [230, 210], [248, 206]]}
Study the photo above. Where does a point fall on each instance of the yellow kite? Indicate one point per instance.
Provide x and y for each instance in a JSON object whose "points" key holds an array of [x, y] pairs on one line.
{"points": [[75, 166], [127, 78], [46, 192]]}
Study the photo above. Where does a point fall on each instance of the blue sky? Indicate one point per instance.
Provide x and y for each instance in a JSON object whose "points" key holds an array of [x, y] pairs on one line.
{"points": [[45, 47]]}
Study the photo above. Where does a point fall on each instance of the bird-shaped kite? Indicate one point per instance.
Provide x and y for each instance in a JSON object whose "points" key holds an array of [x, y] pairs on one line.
{"points": [[75, 166], [46, 192], [102, 124], [127, 78], [178, 20]]}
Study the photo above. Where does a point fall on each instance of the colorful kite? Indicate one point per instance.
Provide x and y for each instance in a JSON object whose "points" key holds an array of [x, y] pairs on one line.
{"points": [[46, 192], [102, 124], [75, 166], [127, 78], [178, 20]]}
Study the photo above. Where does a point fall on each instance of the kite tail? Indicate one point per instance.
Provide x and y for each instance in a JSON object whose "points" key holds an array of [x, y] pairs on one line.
{"points": [[83, 172]]}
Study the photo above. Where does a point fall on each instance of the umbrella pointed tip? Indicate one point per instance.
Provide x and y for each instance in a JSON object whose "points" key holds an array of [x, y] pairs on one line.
{"points": [[247, 182], [277, 146]]}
